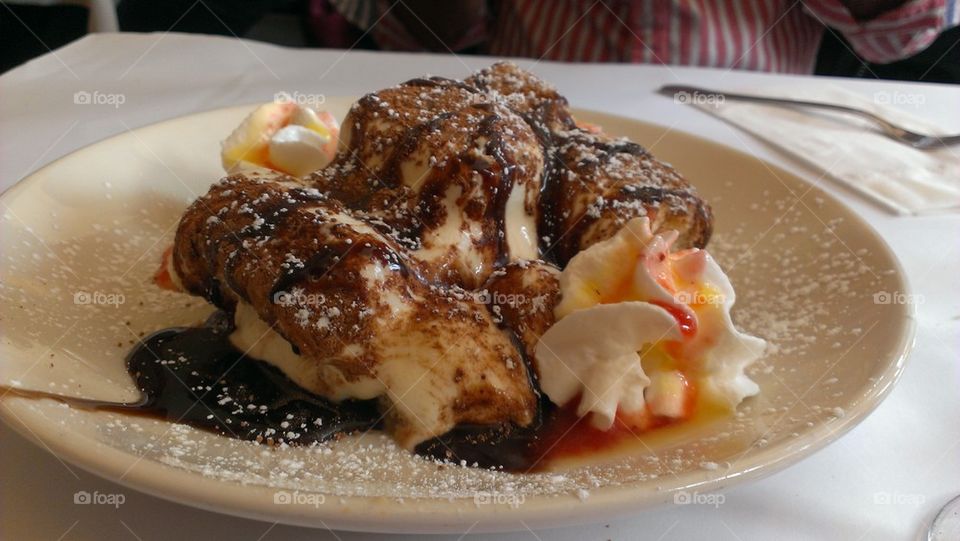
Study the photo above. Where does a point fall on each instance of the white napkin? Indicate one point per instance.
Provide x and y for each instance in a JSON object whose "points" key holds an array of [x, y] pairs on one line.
{"points": [[850, 149]]}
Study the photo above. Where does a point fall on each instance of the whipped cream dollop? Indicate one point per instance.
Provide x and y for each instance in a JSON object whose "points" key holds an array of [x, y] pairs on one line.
{"points": [[282, 136], [642, 331]]}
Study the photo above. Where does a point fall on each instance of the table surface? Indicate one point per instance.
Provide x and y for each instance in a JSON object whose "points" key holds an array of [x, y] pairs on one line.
{"points": [[884, 480]]}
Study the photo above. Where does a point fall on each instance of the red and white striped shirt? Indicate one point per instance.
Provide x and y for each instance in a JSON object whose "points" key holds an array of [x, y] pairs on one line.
{"points": [[762, 35]]}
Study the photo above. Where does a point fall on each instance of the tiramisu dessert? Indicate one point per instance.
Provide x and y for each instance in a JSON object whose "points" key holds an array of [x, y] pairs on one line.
{"points": [[462, 266]]}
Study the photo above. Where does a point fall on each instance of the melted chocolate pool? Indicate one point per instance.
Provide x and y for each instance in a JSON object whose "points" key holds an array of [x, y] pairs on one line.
{"points": [[195, 376]]}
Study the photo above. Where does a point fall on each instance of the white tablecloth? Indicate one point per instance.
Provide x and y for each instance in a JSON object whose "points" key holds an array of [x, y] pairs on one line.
{"points": [[884, 480]]}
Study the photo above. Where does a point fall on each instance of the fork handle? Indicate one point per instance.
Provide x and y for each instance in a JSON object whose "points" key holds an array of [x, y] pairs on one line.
{"points": [[672, 90]]}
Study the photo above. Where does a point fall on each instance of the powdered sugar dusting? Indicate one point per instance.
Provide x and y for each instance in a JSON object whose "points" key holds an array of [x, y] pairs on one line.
{"points": [[804, 286]]}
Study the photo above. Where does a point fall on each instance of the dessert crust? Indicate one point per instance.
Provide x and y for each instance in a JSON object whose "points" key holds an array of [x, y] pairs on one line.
{"points": [[384, 272]]}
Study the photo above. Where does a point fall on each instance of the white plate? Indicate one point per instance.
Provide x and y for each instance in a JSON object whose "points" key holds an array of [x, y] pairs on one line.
{"points": [[82, 236]]}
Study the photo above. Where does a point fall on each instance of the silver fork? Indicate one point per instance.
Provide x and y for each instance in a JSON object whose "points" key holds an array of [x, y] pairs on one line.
{"points": [[893, 131]]}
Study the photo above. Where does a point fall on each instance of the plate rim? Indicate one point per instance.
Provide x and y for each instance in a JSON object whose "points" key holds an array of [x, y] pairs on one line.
{"points": [[452, 516]]}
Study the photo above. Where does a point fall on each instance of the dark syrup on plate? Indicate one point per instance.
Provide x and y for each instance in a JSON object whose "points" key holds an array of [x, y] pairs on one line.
{"points": [[195, 376]]}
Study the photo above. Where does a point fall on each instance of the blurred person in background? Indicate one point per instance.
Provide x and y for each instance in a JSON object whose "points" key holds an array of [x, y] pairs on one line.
{"points": [[914, 40], [762, 35]]}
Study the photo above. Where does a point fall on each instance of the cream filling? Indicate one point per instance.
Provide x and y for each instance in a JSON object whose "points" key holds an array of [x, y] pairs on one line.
{"points": [[420, 395], [438, 241], [421, 391], [454, 233], [520, 226], [253, 336]]}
